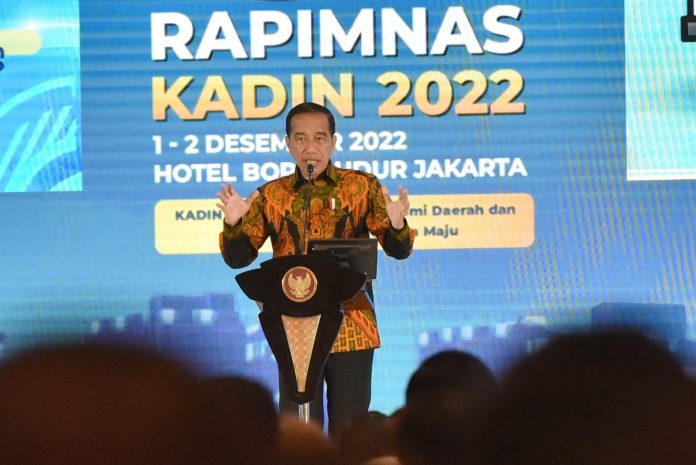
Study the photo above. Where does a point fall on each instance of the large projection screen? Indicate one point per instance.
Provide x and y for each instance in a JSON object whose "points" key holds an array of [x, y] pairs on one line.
{"points": [[546, 147]]}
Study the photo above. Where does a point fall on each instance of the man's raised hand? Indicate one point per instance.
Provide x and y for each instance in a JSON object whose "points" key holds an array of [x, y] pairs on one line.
{"points": [[234, 206], [396, 209]]}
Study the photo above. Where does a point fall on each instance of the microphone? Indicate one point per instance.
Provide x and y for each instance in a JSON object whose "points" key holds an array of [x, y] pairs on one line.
{"points": [[308, 196]]}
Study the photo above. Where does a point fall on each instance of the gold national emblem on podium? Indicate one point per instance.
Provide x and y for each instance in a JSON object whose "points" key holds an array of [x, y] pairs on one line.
{"points": [[299, 284]]}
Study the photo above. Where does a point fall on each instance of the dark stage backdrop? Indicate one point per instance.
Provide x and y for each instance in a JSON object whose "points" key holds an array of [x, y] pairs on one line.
{"points": [[546, 145]]}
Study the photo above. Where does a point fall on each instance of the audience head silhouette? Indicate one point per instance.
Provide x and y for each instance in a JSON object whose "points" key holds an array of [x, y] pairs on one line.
{"points": [[581, 393], [97, 405]]}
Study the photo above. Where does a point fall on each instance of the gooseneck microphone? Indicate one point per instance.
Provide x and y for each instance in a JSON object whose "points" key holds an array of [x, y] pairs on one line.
{"points": [[308, 196]]}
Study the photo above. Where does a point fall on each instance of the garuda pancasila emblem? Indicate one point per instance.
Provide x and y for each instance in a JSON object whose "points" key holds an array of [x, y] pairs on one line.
{"points": [[299, 284]]}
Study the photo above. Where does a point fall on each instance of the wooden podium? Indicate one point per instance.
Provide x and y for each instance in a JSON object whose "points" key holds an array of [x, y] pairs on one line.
{"points": [[301, 315]]}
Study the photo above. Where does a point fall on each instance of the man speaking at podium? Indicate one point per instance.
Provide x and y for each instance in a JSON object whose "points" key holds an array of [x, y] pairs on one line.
{"points": [[343, 204]]}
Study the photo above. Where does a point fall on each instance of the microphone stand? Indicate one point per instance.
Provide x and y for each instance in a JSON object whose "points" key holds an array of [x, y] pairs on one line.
{"points": [[308, 196], [303, 409]]}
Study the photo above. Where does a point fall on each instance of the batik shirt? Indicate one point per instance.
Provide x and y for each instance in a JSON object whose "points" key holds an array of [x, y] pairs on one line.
{"points": [[344, 204]]}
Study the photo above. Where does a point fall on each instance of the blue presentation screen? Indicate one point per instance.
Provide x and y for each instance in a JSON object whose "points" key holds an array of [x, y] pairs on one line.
{"points": [[545, 146]]}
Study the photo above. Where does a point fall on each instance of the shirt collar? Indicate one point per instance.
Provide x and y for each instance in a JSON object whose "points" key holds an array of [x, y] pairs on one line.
{"points": [[329, 175]]}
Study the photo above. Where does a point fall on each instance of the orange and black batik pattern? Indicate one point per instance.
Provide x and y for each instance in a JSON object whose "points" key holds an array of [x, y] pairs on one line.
{"points": [[344, 204]]}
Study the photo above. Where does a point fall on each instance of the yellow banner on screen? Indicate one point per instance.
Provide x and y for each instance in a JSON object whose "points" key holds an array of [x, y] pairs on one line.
{"points": [[461, 221], [20, 41], [472, 221]]}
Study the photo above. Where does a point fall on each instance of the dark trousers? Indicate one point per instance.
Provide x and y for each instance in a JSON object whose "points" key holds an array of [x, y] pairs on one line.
{"points": [[348, 377]]}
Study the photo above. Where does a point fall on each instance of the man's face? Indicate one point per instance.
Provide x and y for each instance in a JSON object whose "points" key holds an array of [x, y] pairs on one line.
{"points": [[310, 142]]}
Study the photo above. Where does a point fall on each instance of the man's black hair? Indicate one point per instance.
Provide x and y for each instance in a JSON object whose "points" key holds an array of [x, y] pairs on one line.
{"points": [[310, 107]]}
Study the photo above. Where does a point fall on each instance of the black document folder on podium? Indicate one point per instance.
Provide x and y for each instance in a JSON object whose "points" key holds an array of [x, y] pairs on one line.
{"points": [[355, 254]]}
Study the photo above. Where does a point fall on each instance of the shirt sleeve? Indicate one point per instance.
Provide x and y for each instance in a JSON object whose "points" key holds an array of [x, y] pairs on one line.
{"points": [[397, 243], [240, 244]]}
